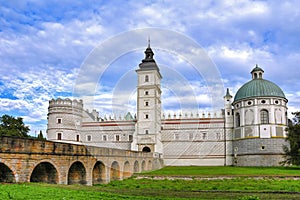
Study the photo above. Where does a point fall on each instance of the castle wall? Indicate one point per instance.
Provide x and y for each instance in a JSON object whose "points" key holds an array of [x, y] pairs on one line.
{"points": [[258, 151], [193, 141]]}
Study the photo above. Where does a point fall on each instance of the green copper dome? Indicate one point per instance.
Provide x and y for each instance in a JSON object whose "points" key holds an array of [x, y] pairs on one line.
{"points": [[258, 87]]}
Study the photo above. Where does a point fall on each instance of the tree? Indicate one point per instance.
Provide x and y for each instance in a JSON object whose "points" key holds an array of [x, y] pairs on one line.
{"points": [[40, 136], [10, 126], [292, 153]]}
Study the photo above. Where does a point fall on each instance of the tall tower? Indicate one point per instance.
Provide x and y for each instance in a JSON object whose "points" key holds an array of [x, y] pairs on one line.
{"points": [[148, 130], [228, 132]]}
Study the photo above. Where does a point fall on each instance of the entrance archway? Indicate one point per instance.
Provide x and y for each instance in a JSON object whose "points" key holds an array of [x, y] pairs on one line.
{"points": [[99, 175], [146, 149], [77, 174], [44, 172], [7, 175]]}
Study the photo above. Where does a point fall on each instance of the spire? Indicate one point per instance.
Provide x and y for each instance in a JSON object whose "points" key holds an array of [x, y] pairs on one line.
{"points": [[148, 41], [228, 95], [148, 53]]}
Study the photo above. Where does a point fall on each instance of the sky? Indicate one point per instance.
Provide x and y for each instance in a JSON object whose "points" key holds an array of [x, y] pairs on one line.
{"points": [[90, 50]]}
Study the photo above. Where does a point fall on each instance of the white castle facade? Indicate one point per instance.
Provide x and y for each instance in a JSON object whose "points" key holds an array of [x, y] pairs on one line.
{"points": [[249, 131]]}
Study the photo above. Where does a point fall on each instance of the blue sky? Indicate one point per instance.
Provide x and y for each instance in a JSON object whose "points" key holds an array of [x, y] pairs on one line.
{"points": [[46, 46]]}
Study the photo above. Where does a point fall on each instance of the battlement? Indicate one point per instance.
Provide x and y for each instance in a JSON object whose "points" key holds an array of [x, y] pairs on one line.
{"points": [[66, 103], [192, 115]]}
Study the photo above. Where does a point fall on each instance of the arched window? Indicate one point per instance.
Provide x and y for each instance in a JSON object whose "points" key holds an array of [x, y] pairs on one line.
{"points": [[146, 78], [237, 120], [264, 117], [58, 136]]}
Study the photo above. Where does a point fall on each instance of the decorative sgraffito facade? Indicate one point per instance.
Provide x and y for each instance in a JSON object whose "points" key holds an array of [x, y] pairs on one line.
{"points": [[249, 131]]}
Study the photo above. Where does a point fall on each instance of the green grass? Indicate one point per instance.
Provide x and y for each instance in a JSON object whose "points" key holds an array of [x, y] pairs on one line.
{"points": [[271, 185], [225, 171]]}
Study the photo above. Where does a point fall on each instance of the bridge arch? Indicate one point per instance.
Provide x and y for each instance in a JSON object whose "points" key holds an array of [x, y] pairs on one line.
{"points": [[44, 172], [126, 170], [115, 171], [7, 175], [150, 165], [77, 173], [143, 165], [136, 167], [99, 173]]}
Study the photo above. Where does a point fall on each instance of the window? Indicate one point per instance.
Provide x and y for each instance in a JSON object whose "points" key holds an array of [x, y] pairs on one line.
{"points": [[176, 136], [146, 92], [146, 103], [117, 138], [146, 131], [191, 136], [59, 120], [104, 137], [237, 120], [77, 138], [146, 116], [264, 116], [59, 136], [204, 136], [89, 138], [146, 78], [130, 138]]}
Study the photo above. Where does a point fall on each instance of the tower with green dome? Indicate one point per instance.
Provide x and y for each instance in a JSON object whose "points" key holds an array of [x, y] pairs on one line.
{"points": [[259, 122]]}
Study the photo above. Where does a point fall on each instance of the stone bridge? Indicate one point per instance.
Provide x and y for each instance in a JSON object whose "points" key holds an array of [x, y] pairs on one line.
{"points": [[30, 160]]}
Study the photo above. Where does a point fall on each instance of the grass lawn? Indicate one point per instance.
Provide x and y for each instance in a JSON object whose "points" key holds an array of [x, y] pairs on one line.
{"points": [[225, 171], [243, 187]]}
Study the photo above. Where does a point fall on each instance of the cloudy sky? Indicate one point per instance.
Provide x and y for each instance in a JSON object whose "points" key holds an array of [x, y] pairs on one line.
{"points": [[90, 49]]}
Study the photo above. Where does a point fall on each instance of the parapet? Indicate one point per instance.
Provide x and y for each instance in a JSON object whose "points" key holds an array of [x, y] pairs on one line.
{"points": [[192, 115], [66, 103]]}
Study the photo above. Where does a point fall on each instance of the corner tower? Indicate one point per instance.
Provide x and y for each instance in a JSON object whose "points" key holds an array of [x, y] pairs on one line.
{"points": [[260, 121], [148, 131]]}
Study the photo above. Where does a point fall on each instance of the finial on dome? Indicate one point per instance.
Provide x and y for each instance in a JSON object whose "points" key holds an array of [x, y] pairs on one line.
{"points": [[149, 41]]}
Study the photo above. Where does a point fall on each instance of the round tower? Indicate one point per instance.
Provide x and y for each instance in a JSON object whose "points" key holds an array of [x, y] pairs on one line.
{"points": [[64, 120], [260, 120]]}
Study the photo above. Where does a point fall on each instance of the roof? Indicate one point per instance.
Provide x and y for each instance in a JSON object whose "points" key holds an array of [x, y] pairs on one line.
{"points": [[259, 88]]}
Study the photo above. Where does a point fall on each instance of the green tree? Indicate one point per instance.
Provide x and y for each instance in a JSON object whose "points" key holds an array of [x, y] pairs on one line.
{"points": [[10, 126], [40, 136], [292, 153]]}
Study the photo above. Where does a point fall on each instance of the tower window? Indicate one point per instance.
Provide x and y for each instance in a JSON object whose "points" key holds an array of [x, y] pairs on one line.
{"points": [[146, 131], [146, 103], [130, 138], [59, 120], [89, 138], [237, 120], [59, 136], [104, 137], [117, 138], [264, 116], [77, 138], [146, 116], [146, 78], [204, 136], [146, 92]]}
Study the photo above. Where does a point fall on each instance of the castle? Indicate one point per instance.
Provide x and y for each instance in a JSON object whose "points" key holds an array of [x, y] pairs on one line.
{"points": [[249, 131]]}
